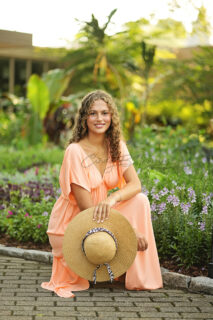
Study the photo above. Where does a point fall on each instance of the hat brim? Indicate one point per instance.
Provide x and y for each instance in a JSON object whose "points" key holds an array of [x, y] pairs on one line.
{"points": [[75, 232]]}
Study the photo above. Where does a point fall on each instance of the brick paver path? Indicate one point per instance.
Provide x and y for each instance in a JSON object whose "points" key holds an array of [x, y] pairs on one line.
{"points": [[22, 298]]}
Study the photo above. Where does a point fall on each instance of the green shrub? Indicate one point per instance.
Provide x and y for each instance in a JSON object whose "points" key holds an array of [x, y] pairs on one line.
{"points": [[176, 174], [12, 160]]}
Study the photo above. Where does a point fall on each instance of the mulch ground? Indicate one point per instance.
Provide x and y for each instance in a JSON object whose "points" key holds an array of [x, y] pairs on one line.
{"points": [[193, 271]]}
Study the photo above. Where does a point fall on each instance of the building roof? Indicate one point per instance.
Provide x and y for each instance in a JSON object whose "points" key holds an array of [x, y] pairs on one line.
{"points": [[19, 45]]}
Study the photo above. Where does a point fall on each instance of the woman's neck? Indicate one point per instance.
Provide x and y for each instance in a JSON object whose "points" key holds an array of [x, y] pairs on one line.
{"points": [[96, 140]]}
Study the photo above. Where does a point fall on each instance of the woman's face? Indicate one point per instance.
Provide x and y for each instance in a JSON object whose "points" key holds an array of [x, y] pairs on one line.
{"points": [[99, 117]]}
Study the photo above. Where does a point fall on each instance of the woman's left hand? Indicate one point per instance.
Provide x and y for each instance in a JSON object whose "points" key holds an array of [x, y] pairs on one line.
{"points": [[102, 210]]}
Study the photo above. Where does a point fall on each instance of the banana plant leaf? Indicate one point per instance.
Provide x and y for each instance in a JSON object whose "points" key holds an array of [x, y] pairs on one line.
{"points": [[38, 95]]}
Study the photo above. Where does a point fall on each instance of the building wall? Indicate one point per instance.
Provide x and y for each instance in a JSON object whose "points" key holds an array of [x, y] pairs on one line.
{"points": [[19, 59]]}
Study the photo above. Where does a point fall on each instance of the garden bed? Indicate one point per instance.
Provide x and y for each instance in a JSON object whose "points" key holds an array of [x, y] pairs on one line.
{"points": [[193, 271]]}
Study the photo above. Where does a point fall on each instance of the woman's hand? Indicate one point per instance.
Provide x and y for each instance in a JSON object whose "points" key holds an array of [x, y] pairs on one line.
{"points": [[142, 242], [101, 211]]}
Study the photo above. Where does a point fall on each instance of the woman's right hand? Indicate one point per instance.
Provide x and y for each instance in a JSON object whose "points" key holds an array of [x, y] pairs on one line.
{"points": [[102, 210]]}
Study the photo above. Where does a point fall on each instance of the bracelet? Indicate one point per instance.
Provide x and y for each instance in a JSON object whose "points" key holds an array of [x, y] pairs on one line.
{"points": [[113, 195], [120, 196]]}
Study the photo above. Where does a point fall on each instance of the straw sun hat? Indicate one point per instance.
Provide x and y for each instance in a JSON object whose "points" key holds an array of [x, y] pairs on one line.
{"points": [[99, 252]]}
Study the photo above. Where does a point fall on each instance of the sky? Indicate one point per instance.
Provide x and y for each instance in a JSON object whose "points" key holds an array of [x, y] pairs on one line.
{"points": [[53, 22]]}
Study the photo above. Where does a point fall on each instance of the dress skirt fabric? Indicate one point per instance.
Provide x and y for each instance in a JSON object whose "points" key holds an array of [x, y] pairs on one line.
{"points": [[144, 273]]}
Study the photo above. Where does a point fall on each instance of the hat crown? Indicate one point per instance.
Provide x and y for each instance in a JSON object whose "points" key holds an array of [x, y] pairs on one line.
{"points": [[99, 248]]}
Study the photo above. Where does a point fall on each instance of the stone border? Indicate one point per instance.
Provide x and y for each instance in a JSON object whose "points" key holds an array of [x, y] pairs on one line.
{"points": [[170, 279]]}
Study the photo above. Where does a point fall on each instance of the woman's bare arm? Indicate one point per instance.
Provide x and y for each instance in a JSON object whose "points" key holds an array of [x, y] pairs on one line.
{"points": [[82, 196], [133, 184]]}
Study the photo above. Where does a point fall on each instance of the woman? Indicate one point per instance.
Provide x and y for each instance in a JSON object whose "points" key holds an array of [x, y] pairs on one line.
{"points": [[96, 161]]}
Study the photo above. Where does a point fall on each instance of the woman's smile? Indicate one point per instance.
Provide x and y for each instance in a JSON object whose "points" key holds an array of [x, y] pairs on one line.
{"points": [[99, 125]]}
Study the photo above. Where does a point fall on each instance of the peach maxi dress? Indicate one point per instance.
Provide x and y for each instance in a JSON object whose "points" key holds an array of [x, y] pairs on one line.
{"points": [[78, 168]]}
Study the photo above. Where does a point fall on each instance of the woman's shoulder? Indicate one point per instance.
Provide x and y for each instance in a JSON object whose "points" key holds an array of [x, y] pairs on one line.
{"points": [[72, 148], [122, 143]]}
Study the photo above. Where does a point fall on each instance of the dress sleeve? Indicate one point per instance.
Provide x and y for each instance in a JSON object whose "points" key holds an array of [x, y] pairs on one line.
{"points": [[125, 159], [73, 171]]}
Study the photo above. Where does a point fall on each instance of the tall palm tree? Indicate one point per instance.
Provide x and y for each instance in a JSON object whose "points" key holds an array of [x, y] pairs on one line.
{"points": [[97, 61]]}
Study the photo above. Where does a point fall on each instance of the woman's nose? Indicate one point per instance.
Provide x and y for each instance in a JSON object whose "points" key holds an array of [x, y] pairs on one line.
{"points": [[99, 116]]}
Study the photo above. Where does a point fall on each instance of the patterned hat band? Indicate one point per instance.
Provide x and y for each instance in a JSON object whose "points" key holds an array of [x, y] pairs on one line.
{"points": [[94, 230]]}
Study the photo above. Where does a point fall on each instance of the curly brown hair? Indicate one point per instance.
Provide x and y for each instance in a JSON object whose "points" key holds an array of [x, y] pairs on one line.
{"points": [[113, 133]]}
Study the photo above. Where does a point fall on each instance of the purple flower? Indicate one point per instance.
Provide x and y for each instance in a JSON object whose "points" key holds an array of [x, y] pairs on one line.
{"points": [[206, 174], [187, 170], [10, 213], [207, 199], [163, 192], [169, 198], [172, 191], [2, 206], [204, 160], [139, 170], [153, 206], [205, 210], [58, 191], [39, 226], [190, 223], [179, 188], [145, 191], [202, 225], [161, 207], [153, 191], [26, 214], [156, 196], [156, 181], [192, 195], [153, 158], [174, 182], [174, 200], [146, 154], [45, 214], [185, 207]]}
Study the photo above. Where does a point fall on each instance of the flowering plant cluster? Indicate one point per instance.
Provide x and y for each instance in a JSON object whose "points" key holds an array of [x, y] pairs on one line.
{"points": [[25, 210], [176, 175]]}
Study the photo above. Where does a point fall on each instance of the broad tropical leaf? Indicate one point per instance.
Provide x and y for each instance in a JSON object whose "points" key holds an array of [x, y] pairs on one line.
{"points": [[38, 95], [57, 81]]}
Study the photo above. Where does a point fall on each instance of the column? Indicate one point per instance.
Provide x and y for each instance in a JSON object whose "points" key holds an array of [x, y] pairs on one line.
{"points": [[11, 75], [45, 66], [28, 69]]}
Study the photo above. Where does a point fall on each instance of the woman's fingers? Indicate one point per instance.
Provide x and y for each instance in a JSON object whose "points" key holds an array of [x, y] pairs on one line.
{"points": [[107, 212], [101, 212], [142, 243], [95, 213]]}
